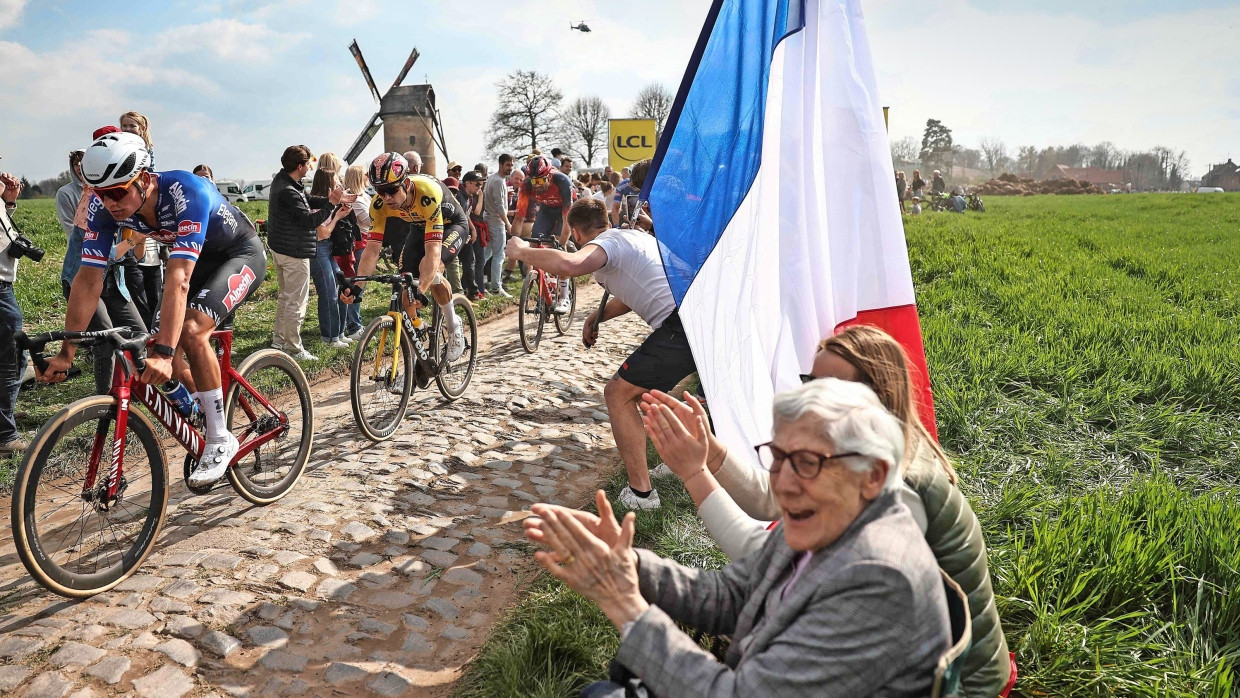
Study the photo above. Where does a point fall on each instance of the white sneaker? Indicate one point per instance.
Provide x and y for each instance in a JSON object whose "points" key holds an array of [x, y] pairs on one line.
{"points": [[632, 501], [503, 292], [561, 306], [337, 344], [216, 456], [661, 470], [356, 335], [304, 355], [456, 343]]}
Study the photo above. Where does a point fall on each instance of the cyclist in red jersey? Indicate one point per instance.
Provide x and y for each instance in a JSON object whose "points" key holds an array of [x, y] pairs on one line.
{"points": [[554, 193]]}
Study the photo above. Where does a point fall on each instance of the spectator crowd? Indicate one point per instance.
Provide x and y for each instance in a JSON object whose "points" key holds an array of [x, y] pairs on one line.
{"points": [[857, 566]]}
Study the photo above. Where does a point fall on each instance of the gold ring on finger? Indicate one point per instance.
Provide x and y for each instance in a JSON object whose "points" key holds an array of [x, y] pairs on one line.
{"points": [[569, 560]]}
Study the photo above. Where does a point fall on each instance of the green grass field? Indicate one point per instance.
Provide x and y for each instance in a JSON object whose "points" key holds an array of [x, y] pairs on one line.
{"points": [[1084, 353], [43, 307]]}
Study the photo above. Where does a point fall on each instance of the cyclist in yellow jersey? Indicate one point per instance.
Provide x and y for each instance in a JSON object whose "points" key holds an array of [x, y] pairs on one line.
{"points": [[439, 229]]}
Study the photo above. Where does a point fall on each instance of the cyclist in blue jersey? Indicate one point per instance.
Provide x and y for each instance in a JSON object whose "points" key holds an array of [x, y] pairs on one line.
{"points": [[216, 263]]}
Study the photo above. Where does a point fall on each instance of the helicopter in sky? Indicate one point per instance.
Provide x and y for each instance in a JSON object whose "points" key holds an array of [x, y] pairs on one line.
{"points": [[581, 27]]}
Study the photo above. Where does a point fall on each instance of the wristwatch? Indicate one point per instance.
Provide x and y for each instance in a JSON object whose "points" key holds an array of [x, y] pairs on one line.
{"points": [[163, 350]]}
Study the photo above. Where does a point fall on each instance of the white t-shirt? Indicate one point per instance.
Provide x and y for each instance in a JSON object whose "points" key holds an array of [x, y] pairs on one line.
{"points": [[634, 273]]}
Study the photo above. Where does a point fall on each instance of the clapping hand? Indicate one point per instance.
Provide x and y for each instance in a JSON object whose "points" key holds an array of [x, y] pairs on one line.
{"points": [[592, 555], [679, 431]]}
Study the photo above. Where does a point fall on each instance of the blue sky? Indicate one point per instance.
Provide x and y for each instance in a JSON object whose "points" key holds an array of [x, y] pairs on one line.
{"points": [[231, 82]]}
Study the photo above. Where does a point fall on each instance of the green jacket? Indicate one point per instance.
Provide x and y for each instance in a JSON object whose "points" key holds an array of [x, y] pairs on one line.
{"points": [[952, 532], [955, 537]]}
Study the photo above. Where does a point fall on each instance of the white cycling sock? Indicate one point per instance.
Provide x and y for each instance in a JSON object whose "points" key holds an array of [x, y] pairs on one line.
{"points": [[211, 402], [449, 317], [564, 288]]}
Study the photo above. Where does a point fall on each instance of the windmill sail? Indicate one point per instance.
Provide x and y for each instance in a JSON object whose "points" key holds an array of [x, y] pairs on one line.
{"points": [[363, 139], [361, 63], [413, 58]]}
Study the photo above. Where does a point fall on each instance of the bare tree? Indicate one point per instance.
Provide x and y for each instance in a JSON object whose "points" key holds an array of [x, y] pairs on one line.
{"points": [[1105, 155], [904, 150], [585, 128], [653, 102], [994, 151], [526, 114]]}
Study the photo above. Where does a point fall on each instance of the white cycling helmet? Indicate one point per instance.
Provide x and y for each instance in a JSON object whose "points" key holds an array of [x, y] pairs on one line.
{"points": [[115, 159]]}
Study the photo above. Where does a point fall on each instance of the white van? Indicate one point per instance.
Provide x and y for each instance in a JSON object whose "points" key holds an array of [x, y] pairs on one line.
{"points": [[1210, 190], [231, 190], [257, 190]]}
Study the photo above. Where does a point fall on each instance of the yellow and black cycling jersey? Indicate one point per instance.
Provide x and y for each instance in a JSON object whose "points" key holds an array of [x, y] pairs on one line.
{"points": [[430, 206]]}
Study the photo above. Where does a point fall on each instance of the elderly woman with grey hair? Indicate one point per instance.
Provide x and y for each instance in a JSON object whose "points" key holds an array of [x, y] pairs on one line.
{"points": [[846, 601]]}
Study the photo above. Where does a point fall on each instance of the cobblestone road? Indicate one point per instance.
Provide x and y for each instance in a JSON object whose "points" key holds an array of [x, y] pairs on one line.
{"points": [[381, 573]]}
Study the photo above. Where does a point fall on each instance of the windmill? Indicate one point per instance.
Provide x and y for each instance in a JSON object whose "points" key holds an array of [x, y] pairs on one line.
{"points": [[407, 114]]}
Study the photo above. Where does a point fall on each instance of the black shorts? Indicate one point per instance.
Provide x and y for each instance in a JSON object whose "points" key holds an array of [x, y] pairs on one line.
{"points": [[549, 223], [222, 281], [663, 360], [413, 249]]}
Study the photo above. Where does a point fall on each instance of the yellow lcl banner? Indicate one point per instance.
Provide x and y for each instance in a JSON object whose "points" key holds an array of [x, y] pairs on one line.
{"points": [[630, 140]]}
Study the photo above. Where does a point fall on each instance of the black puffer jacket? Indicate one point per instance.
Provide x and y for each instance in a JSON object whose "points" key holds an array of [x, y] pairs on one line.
{"points": [[291, 218]]}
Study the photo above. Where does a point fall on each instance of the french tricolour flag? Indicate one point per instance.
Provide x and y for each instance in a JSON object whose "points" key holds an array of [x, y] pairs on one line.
{"points": [[775, 204]]}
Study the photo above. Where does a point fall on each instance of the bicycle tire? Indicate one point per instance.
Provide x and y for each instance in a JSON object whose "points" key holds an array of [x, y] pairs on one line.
{"points": [[295, 386], [564, 322], [31, 549], [439, 349], [360, 377], [531, 306]]}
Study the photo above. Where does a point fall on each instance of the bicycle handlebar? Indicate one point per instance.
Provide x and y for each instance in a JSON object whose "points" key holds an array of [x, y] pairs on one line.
{"points": [[406, 279], [121, 339]]}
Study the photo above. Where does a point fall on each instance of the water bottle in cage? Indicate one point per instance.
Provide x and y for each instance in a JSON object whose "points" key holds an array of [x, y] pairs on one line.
{"points": [[175, 391]]}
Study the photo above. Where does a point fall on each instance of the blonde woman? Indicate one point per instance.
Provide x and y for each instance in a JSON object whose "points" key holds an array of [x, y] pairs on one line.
{"points": [[331, 162], [355, 183]]}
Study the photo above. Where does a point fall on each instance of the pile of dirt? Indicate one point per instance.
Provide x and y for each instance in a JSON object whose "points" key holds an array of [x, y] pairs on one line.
{"points": [[1011, 185]]}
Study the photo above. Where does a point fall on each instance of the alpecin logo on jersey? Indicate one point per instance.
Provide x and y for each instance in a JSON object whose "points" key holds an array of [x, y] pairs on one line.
{"points": [[188, 228], [90, 235], [178, 197], [238, 285]]}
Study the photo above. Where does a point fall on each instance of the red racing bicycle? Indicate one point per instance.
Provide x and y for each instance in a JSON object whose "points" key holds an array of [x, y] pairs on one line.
{"points": [[539, 292], [91, 493]]}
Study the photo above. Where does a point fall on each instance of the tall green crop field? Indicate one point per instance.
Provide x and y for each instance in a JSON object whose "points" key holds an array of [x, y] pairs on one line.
{"points": [[1085, 359]]}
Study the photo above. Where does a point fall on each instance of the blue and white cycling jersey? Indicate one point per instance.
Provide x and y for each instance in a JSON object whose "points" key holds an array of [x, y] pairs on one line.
{"points": [[193, 218]]}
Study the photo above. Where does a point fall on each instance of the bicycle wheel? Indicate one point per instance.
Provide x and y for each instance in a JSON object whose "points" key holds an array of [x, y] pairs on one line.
{"points": [[380, 399], [565, 321], [76, 545], [269, 472], [531, 317], [454, 376]]}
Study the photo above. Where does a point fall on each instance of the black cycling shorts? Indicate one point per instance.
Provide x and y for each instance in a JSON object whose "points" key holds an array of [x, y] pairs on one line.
{"points": [[549, 223], [222, 281], [663, 360], [455, 236]]}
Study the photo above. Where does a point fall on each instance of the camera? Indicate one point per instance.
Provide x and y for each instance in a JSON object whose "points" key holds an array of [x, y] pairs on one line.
{"points": [[21, 246]]}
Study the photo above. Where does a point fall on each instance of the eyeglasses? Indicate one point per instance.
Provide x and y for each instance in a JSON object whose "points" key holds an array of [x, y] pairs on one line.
{"points": [[539, 181], [387, 189], [117, 192], [806, 464]]}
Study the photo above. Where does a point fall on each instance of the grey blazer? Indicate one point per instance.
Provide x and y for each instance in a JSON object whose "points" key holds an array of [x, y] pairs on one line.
{"points": [[867, 617]]}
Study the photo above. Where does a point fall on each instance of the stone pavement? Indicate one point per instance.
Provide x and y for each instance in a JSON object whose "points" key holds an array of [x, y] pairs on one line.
{"points": [[381, 573]]}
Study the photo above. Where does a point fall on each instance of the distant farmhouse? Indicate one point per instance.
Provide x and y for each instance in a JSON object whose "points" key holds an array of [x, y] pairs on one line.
{"points": [[1107, 179], [1225, 176]]}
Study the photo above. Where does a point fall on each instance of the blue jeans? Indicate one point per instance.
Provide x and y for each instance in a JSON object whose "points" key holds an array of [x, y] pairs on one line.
{"points": [[323, 273], [352, 312], [499, 238], [12, 362]]}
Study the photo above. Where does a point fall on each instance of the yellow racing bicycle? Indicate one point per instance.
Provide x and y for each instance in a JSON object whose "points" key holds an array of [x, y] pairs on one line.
{"points": [[397, 352]]}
